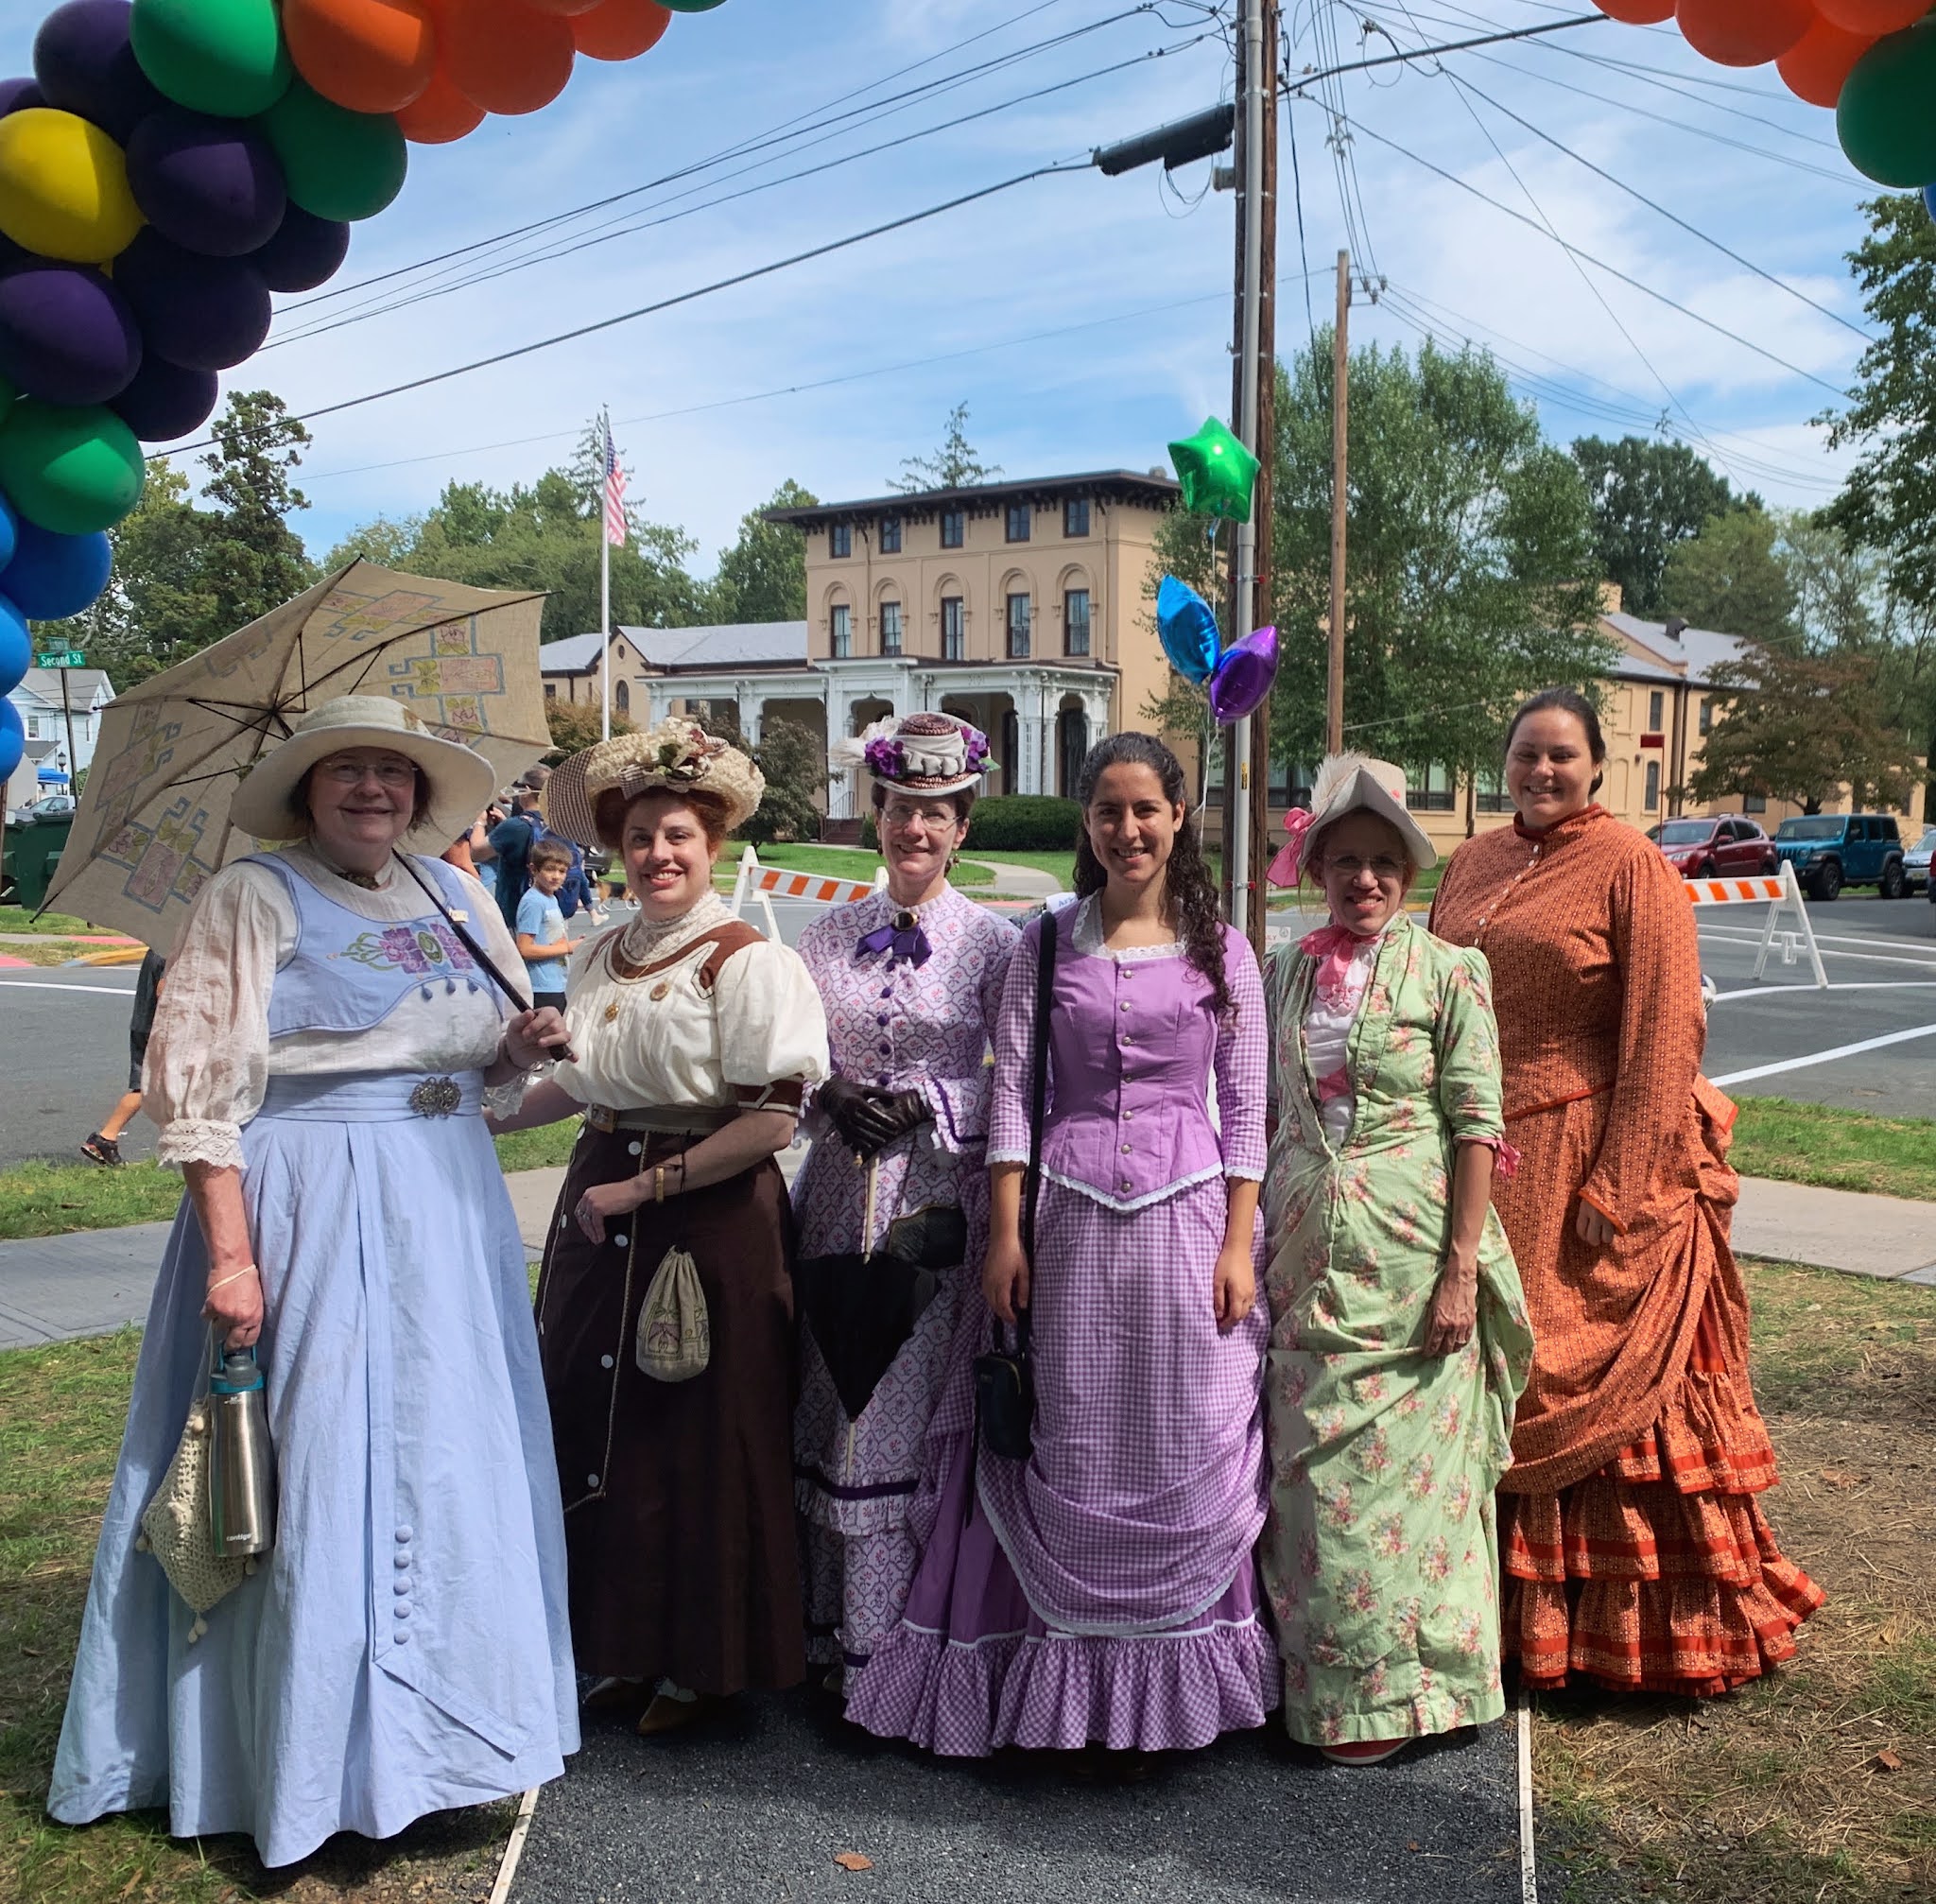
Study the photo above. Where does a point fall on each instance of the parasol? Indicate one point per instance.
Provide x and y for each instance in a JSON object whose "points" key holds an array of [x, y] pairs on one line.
{"points": [[153, 824]]}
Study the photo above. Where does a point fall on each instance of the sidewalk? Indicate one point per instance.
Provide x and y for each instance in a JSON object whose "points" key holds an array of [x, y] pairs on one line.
{"points": [[90, 1282]]}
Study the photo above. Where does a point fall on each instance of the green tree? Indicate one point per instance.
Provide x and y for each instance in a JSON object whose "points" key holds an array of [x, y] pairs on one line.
{"points": [[158, 605], [793, 761], [1731, 578], [1470, 574], [763, 575], [254, 561], [1648, 497], [955, 465]]}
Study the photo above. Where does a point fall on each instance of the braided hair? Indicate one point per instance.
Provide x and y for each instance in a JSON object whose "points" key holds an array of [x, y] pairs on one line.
{"points": [[1190, 897]]}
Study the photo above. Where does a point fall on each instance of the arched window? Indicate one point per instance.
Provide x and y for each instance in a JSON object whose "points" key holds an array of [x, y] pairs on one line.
{"points": [[621, 695]]}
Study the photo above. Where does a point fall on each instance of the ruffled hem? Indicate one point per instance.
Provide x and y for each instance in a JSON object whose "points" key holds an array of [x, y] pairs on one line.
{"points": [[1059, 1693], [199, 1140], [1644, 1588], [878, 1512]]}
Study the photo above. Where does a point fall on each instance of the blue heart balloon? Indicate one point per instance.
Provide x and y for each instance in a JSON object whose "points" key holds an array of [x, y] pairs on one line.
{"points": [[1186, 626]]}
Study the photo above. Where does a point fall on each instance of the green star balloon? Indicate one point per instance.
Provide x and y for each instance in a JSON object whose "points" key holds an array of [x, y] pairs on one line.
{"points": [[1217, 473]]}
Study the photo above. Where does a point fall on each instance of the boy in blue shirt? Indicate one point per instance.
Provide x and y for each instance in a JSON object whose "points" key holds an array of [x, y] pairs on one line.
{"points": [[542, 940]]}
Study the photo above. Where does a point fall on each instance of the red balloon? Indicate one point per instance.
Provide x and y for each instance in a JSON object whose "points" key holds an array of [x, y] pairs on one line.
{"points": [[620, 29], [367, 55], [1743, 33], [503, 55], [1871, 17], [1815, 66], [439, 114], [1637, 12], [564, 8]]}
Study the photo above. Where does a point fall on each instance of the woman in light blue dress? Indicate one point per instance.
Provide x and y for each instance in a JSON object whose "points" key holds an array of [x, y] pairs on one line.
{"points": [[319, 1066]]}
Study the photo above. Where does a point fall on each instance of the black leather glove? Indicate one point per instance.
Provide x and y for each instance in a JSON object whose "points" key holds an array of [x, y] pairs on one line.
{"points": [[846, 1105], [890, 1114]]}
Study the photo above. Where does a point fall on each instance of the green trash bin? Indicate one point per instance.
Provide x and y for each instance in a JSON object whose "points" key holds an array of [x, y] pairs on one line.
{"points": [[33, 854]]}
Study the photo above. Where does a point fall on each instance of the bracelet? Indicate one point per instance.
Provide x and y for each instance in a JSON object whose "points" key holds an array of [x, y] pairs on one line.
{"points": [[658, 1183], [235, 1276]]}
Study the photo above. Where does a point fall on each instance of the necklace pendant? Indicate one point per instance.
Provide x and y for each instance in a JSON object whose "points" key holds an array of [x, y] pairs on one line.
{"points": [[662, 990], [611, 1012]]}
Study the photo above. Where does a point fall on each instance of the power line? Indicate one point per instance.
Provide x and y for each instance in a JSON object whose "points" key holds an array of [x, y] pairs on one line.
{"points": [[1297, 83]]}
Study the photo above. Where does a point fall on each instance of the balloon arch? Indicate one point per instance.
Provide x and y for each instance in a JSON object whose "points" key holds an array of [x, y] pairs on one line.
{"points": [[173, 163]]}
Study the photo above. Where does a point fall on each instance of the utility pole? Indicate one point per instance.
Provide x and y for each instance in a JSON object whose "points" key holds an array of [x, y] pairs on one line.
{"points": [[73, 754], [1340, 440], [1247, 746]]}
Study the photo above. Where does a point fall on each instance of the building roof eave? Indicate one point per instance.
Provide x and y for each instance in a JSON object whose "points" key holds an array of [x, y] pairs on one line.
{"points": [[1153, 491]]}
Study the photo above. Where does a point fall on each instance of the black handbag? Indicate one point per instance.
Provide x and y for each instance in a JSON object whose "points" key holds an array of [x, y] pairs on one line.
{"points": [[1005, 1377]]}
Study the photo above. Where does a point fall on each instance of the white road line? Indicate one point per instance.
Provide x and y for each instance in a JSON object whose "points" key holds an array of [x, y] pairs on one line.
{"points": [[507, 1868], [1803, 989], [1825, 1057], [1924, 964], [47, 985], [1529, 1876], [1752, 936]]}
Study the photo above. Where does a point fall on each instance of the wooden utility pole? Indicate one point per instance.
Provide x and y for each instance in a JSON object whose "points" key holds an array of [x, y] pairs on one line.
{"points": [[1264, 449], [1340, 438]]}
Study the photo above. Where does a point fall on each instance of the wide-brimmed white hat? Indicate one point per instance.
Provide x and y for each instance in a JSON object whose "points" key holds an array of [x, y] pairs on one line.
{"points": [[460, 779], [926, 752], [1346, 783], [677, 755]]}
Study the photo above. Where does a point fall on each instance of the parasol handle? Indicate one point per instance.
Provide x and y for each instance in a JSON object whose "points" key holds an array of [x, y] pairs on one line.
{"points": [[873, 1184]]}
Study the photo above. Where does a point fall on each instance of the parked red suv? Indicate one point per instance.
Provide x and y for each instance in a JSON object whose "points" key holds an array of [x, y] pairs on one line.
{"points": [[1720, 845]]}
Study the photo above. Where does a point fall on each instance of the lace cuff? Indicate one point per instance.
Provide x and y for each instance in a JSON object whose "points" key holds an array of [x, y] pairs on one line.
{"points": [[507, 1100], [200, 1140]]}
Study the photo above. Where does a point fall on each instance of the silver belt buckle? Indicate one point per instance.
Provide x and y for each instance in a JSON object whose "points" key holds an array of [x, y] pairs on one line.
{"points": [[437, 1096]]}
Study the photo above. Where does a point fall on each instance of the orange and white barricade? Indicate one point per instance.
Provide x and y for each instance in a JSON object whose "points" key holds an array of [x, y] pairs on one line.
{"points": [[761, 884], [1781, 896]]}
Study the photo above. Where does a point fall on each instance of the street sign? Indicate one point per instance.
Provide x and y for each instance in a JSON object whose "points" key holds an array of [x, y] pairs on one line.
{"points": [[61, 657]]}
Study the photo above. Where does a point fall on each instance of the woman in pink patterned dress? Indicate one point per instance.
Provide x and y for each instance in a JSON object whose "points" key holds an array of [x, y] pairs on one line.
{"points": [[912, 979]]}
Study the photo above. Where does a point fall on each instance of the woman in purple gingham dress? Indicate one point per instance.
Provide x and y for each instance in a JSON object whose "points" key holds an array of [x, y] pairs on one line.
{"points": [[1105, 1590]]}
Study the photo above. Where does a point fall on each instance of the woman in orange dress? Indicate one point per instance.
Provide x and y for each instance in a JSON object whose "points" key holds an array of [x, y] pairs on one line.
{"points": [[1635, 1550]]}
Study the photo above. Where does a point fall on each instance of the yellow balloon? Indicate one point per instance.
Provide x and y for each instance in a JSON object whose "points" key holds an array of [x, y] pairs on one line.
{"points": [[64, 187]]}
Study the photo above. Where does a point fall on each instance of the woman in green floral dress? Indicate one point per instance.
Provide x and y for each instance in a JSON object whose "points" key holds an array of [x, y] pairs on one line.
{"points": [[1399, 1343]]}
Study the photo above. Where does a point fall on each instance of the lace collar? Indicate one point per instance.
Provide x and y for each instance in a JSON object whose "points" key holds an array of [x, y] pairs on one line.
{"points": [[644, 940], [1087, 938]]}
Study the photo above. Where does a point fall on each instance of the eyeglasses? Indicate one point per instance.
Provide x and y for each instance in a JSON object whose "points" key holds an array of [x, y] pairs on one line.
{"points": [[1384, 866], [934, 819], [393, 774]]}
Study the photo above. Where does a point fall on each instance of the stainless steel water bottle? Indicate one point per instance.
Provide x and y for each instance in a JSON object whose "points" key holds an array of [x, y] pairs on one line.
{"points": [[241, 1468]]}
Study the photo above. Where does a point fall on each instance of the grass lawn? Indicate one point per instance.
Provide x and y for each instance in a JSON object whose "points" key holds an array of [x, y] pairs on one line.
{"points": [[836, 862], [1778, 1794], [18, 919], [1840, 1150], [43, 951]]}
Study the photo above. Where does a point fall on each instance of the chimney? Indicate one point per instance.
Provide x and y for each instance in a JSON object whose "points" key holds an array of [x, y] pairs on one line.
{"points": [[1674, 628]]}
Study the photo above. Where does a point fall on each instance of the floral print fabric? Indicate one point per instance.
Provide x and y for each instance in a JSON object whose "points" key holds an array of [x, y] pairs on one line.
{"points": [[1379, 1555]]}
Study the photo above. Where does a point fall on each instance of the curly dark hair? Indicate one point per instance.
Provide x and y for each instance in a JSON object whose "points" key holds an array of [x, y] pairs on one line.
{"points": [[1189, 897]]}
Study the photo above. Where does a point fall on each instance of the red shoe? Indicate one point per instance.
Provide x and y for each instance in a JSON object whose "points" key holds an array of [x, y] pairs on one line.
{"points": [[1364, 1751]]}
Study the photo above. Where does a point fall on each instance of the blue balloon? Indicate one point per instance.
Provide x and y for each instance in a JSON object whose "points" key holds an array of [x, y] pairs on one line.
{"points": [[10, 530], [1186, 626], [16, 648], [51, 576], [13, 740]]}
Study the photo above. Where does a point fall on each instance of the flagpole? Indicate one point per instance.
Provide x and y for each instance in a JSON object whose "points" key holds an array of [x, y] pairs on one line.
{"points": [[605, 589]]}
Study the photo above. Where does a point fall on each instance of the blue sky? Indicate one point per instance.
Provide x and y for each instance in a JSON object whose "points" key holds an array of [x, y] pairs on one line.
{"points": [[1130, 277]]}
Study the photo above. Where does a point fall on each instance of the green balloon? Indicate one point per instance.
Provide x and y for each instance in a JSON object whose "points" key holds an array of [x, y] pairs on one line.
{"points": [[691, 6], [70, 471], [1887, 112], [337, 164], [224, 56], [1216, 471]]}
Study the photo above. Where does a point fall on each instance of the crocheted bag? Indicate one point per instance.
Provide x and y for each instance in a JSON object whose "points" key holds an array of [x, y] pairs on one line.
{"points": [[178, 1528], [675, 1338]]}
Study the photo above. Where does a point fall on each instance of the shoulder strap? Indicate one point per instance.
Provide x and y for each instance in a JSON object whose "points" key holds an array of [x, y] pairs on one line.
{"points": [[1038, 1097], [521, 1000]]}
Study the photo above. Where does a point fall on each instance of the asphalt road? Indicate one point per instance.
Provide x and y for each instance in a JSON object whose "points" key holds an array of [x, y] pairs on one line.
{"points": [[756, 1803], [63, 1059]]}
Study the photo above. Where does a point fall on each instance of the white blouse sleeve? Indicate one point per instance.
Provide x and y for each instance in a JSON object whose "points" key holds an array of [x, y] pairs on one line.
{"points": [[208, 1055], [772, 1028]]}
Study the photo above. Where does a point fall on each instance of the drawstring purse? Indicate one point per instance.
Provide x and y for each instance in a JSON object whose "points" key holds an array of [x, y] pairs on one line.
{"points": [[675, 1334]]}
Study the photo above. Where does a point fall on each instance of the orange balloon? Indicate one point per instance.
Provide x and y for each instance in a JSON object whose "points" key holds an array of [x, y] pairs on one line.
{"points": [[439, 114], [620, 29], [368, 56], [1743, 33], [1815, 66], [564, 8], [1637, 12], [1873, 17], [505, 56]]}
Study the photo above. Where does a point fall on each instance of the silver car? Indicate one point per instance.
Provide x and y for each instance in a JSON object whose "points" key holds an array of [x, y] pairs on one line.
{"points": [[1915, 862]]}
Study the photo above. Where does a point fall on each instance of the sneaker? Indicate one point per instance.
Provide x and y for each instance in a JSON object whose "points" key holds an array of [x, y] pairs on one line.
{"points": [[1364, 1751], [103, 1151]]}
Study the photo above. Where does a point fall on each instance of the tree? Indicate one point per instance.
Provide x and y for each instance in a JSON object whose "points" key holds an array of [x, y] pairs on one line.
{"points": [[763, 575], [793, 761], [387, 540], [576, 725], [955, 465], [1731, 578], [254, 561], [156, 605], [1646, 497], [1470, 577]]}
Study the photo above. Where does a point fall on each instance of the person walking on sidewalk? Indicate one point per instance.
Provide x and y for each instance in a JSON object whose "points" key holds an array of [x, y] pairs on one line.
{"points": [[1636, 1552], [543, 943], [321, 1055], [1104, 1589], [1399, 1336], [104, 1145], [912, 979], [695, 1040], [506, 848]]}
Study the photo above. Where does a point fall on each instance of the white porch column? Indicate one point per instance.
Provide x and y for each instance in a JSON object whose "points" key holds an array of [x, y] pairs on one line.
{"points": [[660, 695], [839, 723], [1029, 737], [750, 706]]}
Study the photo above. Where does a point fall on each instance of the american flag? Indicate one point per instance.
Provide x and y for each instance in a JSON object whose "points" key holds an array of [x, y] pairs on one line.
{"points": [[615, 494]]}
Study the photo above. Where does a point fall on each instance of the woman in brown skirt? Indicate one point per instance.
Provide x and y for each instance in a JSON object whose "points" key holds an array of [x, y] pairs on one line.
{"points": [[694, 1039]]}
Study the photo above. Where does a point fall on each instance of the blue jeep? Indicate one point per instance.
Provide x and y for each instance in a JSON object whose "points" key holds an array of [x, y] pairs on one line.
{"points": [[1830, 851]]}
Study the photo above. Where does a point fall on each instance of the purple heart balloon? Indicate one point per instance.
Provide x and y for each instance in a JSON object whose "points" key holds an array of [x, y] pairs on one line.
{"points": [[66, 333], [1242, 677], [85, 64], [207, 314], [212, 185]]}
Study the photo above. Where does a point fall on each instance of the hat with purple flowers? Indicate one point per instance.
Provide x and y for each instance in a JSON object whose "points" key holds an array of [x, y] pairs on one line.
{"points": [[922, 753]]}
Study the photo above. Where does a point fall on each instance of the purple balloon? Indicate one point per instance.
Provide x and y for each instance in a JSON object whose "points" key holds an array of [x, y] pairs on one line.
{"points": [[1243, 676], [304, 252], [212, 185], [207, 314], [85, 64], [166, 401], [16, 96], [66, 333]]}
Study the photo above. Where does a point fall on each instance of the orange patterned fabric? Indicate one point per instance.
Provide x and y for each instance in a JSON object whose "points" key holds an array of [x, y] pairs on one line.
{"points": [[1634, 1550]]}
